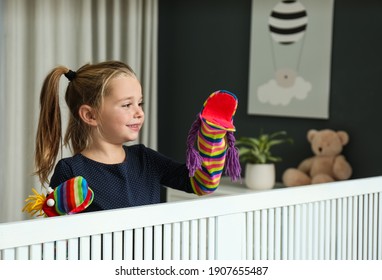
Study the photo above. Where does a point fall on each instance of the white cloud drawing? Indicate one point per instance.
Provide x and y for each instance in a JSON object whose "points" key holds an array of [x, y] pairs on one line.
{"points": [[274, 94]]}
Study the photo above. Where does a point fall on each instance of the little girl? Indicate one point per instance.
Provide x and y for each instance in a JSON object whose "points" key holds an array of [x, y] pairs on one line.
{"points": [[106, 110]]}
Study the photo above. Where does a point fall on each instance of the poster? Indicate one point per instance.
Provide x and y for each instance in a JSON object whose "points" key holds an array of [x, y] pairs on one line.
{"points": [[290, 58]]}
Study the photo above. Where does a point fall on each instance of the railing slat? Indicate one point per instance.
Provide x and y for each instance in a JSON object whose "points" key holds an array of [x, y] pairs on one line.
{"points": [[185, 240], [211, 238], [85, 246], [360, 228], [158, 235], [194, 240], [321, 230], [365, 226], [297, 232], [349, 229], [176, 234], [310, 232], [249, 235], [8, 254], [202, 236], [167, 244], [22, 253], [257, 235], [327, 225], [264, 234], [370, 219], [339, 228], [148, 243], [285, 231], [35, 252], [344, 228], [73, 249], [291, 230], [375, 227], [128, 242], [107, 246], [138, 244], [271, 234], [355, 228], [61, 250], [96, 247], [278, 220], [117, 245], [48, 250]]}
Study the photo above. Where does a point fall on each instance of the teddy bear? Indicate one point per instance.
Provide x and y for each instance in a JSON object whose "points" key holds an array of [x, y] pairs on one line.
{"points": [[327, 164]]}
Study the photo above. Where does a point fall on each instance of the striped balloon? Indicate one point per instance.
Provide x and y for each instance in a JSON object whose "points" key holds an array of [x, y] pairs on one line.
{"points": [[288, 22]]}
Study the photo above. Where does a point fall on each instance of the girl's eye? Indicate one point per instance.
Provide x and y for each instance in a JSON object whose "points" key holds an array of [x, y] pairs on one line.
{"points": [[127, 105]]}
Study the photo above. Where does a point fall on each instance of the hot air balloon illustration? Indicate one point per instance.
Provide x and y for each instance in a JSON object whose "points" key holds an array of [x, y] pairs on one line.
{"points": [[288, 22], [290, 55]]}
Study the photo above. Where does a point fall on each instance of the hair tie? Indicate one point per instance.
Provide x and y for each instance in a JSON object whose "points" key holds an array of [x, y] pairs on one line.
{"points": [[70, 75]]}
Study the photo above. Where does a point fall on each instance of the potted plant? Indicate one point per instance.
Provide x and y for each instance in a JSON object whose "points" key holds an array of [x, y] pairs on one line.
{"points": [[255, 153]]}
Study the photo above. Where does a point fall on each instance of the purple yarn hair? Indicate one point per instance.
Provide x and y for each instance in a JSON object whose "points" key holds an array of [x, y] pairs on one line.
{"points": [[194, 159], [233, 167]]}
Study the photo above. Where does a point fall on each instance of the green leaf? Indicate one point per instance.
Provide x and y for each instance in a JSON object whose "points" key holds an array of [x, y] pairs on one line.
{"points": [[258, 149]]}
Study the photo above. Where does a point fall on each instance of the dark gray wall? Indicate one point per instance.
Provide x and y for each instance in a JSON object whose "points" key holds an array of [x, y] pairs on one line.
{"points": [[204, 46]]}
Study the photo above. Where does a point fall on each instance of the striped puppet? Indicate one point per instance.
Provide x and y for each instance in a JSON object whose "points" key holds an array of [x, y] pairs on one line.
{"points": [[211, 143]]}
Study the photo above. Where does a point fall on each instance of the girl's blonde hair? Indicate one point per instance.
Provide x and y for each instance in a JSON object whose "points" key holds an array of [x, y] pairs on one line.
{"points": [[87, 86]]}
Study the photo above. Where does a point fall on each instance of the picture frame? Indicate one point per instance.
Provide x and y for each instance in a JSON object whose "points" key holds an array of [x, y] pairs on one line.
{"points": [[290, 58]]}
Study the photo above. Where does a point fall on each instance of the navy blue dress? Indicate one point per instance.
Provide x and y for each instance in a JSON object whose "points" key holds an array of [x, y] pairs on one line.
{"points": [[134, 182]]}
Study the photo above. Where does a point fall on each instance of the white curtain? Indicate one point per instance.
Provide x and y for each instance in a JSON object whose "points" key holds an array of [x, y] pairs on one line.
{"points": [[36, 36]]}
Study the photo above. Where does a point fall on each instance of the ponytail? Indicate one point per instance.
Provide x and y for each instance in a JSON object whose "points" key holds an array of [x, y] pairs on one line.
{"points": [[48, 137]]}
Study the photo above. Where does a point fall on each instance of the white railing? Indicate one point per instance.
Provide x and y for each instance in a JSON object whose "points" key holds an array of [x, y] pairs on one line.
{"points": [[341, 220]]}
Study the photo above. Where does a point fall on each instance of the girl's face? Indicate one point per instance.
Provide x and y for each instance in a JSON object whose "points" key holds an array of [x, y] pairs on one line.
{"points": [[121, 116]]}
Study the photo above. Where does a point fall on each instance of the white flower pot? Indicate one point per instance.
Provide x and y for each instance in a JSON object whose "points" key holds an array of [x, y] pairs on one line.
{"points": [[260, 176]]}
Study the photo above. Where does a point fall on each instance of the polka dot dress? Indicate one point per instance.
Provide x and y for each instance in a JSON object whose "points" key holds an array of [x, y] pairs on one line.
{"points": [[134, 182]]}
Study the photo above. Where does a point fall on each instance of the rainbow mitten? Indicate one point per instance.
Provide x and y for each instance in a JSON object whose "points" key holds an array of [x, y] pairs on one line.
{"points": [[72, 196], [215, 144]]}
